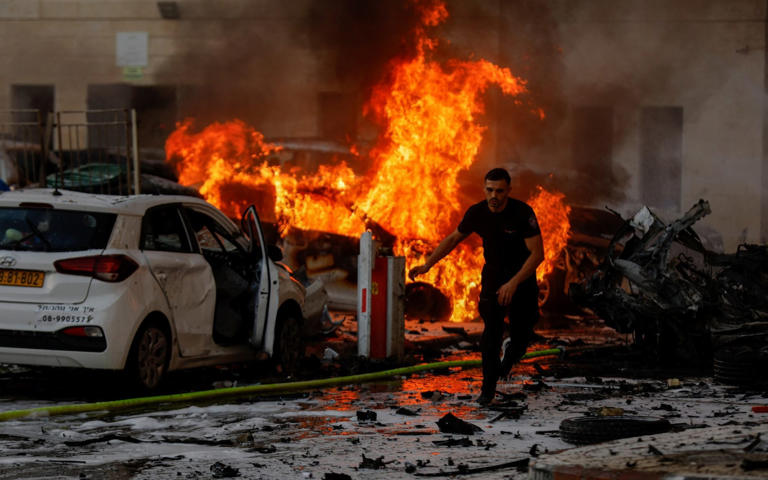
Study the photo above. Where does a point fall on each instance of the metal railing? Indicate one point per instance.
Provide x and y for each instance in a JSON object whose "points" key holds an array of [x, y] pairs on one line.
{"points": [[90, 150], [23, 143]]}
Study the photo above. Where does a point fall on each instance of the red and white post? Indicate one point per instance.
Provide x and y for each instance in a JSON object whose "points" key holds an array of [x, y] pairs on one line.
{"points": [[380, 307]]}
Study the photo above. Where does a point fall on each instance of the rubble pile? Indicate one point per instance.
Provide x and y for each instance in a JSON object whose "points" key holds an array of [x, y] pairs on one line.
{"points": [[680, 300]]}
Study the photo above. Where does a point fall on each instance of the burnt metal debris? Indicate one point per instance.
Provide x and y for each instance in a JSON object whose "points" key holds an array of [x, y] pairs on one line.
{"points": [[449, 423], [680, 300]]}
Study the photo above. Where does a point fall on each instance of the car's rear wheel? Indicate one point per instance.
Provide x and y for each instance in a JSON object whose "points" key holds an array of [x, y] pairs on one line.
{"points": [[148, 361], [289, 344]]}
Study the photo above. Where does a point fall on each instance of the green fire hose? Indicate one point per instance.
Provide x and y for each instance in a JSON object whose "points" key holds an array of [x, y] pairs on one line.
{"points": [[273, 388]]}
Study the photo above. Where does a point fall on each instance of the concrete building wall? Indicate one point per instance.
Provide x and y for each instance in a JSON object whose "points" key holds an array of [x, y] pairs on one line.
{"points": [[706, 57], [72, 44]]}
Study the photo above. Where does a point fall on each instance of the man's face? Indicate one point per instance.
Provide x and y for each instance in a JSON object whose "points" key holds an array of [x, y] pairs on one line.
{"points": [[496, 194]]}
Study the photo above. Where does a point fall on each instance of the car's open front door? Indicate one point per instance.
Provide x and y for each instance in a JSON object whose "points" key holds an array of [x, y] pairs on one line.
{"points": [[266, 303]]}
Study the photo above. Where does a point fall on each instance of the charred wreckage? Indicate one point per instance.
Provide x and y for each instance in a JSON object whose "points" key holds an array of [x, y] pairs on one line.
{"points": [[684, 303]]}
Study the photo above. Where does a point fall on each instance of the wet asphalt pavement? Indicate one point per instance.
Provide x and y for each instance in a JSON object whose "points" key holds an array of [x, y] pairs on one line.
{"points": [[384, 429]]}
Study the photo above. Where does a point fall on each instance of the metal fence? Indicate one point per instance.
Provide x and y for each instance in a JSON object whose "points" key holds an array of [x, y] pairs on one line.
{"points": [[93, 151]]}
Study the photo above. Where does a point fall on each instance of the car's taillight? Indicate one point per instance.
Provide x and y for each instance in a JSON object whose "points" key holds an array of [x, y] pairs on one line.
{"points": [[88, 331], [110, 268]]}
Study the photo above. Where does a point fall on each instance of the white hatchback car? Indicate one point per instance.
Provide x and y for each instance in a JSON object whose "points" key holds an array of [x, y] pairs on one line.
{"points": [[145, 283]]}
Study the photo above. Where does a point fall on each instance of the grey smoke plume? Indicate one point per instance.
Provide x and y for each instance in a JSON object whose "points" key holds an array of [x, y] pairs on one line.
{"points": [[267, 69]]}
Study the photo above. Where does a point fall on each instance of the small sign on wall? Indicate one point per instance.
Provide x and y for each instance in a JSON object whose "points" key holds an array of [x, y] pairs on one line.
{"points": [[131, 49], [132, 73]]}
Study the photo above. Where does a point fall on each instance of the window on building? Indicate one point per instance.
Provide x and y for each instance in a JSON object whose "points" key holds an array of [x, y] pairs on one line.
{"points": [[592, 141], [661, 156], [31, 97], [155, 107], [30, 106]]}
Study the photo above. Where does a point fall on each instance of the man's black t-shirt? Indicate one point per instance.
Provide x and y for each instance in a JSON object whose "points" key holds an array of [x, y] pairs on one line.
{"points": [[503, 235]]}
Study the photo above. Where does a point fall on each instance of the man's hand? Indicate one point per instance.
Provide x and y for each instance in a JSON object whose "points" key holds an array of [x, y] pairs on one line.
{"points": [[443, 249], [418, 270], [506, 292]]}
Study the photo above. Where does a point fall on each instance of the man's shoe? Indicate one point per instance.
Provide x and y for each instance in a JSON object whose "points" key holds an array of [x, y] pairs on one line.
{"points": [[485, 398]]}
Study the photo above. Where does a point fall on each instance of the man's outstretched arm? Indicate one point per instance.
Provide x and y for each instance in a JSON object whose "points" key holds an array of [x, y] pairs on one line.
{"points": [[445, 247], [536, 246]]}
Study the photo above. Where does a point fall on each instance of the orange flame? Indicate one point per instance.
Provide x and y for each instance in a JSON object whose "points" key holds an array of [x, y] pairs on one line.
{"points": [[232, 153], [552, 215], [430, 135]]}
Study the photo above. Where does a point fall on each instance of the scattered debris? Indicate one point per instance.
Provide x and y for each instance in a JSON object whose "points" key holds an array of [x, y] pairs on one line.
{"points": [[508, 410], [336, 476], [220, 470], [330, 354], [513, 396], [456, 330], [198, 441], [655, 270], [433, 395], [104, 438], [373, 464], [753, 444], [749, 464], [406, 411], [454, 442], [654, 451], [451, 424], [264, 449], [535, 387], [610, 412], [366, 416], [463, 469]]}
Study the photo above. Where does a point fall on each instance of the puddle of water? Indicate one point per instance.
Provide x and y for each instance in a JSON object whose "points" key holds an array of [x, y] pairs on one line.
{"points": [[311, 426]]}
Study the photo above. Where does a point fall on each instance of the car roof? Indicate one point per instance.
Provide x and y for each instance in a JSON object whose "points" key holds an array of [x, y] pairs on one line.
{"points": [[68, 200]]}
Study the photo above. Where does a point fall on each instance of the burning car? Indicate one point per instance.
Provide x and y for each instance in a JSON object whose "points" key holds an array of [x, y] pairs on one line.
{"points": [[589, 235], [680, 300], [143, 283]]}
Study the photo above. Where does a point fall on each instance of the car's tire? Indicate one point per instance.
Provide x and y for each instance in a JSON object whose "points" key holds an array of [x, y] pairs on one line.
{"points": [[288, 351], [552, 291], [148, 360], [589, 430]]}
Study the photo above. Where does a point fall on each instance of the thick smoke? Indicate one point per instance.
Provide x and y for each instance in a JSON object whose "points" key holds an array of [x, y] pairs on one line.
{"points": [[271, 67], [242, 67], [357, 40], [248, 69], [553, 151]]}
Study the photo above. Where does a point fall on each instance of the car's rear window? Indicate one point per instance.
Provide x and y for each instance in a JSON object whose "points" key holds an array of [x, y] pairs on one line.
{"points": [[50, 230]]}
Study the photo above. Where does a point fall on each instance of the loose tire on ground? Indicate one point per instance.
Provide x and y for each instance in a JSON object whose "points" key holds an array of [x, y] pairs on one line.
{"points": [[741, 365], [148, 360], [588, 430]]}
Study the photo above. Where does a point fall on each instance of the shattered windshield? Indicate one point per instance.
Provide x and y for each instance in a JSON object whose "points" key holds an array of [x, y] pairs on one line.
{"points": [[50, 230]]}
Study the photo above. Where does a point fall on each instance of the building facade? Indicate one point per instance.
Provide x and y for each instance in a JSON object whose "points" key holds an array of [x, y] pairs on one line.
{"points": [[646, 102]]}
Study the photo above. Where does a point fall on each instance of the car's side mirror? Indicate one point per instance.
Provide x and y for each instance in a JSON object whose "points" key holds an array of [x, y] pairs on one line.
{"points": [[274, 253]]}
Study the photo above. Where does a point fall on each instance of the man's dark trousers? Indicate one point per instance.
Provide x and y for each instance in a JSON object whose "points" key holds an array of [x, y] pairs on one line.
{"points": [[523, 312]]}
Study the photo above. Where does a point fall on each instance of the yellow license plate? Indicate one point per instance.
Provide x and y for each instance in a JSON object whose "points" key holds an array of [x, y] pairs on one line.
{"points": [[21, 278]]}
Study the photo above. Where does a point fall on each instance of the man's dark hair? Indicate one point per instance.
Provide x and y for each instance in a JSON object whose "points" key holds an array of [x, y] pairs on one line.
{"points": [[498, 174]]}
